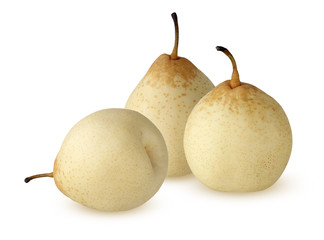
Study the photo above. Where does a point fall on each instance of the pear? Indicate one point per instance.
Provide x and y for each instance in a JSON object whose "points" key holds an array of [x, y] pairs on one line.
{"points": [[111, 160], [237, 138], [166, 95]]}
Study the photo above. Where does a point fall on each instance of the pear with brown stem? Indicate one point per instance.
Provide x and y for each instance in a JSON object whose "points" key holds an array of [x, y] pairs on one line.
{"points": [[111, 160], [237, 137], [166, 95]]}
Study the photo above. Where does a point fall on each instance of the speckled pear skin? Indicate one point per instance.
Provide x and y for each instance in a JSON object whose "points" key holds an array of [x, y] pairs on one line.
{"points": [[166, 95], [112, 160], [237, 140]]}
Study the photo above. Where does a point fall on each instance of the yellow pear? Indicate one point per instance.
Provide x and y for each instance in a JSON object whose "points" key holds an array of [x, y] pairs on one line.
{"points": [[111, 160], [166, 95], [237, 137]]}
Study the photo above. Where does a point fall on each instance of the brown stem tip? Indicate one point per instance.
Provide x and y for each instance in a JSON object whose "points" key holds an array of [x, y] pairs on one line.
{"points": [[174, 16], [220, 48], [235, 81], [174, 54], [27, 179]]}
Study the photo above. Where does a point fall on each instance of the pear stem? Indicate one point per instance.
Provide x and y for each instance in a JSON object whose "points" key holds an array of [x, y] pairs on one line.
{"points": [[38, 176], [174, 54], [235, 81]]}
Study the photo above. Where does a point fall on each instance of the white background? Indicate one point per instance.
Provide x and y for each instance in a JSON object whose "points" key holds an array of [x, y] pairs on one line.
{"points": [[62, 60]]}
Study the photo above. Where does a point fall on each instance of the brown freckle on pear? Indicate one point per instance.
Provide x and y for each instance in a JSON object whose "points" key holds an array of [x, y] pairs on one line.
{"points": [[185, 85]]}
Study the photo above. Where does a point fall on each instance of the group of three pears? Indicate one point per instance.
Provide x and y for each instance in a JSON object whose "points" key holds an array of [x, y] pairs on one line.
{"points": [[232, 137]]}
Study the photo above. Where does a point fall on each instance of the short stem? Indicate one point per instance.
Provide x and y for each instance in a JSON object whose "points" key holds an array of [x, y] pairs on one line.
{"points": [[174, 54], [235, 81], [38, 176]]}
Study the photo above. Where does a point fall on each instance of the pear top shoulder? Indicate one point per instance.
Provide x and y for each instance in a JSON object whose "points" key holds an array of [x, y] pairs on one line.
{"points": [[171, 72], [246, 96], [244, 92]]}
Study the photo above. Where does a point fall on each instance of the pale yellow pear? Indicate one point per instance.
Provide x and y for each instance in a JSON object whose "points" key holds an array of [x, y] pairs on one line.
{"points": [[111, 160], [237, 137], [166, 95]]}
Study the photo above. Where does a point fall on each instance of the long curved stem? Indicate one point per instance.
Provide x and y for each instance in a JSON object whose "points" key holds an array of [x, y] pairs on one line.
{"points": [[235, 81], [38, 176], [174, 54]]}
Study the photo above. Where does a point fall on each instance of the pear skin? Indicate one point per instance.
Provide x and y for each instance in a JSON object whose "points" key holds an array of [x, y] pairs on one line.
{"points": [[166, 95], [237, 138]]}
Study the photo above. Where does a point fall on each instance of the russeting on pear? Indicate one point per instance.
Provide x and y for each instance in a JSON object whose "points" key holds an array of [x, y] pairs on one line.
{"points": [[111, 160], [166, 95], [237, 137]]}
